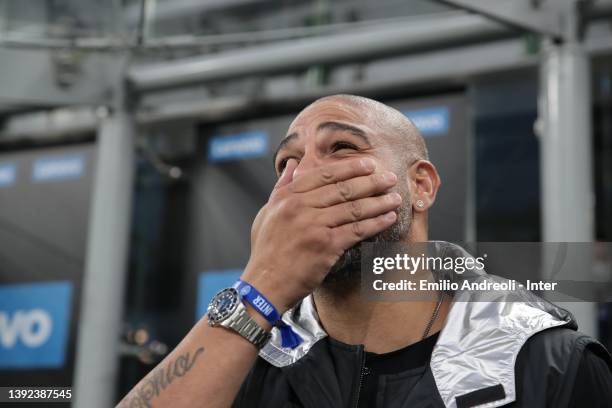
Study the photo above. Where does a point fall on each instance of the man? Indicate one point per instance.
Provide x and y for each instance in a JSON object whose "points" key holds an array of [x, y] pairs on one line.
{"points": [[352, 169]]}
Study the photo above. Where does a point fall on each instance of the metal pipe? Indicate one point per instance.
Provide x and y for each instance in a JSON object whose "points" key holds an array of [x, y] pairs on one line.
{"points": [[436, 70], [392, 39], [106, 264], [120, 42], [567, 191], [433, 69], [433, 33]]}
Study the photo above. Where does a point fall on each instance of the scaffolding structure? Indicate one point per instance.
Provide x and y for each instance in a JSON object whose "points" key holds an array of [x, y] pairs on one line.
{"points": [[564, 128]]}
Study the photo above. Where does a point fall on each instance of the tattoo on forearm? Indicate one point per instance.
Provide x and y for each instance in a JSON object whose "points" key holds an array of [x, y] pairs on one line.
{"points": [[159, 379]]}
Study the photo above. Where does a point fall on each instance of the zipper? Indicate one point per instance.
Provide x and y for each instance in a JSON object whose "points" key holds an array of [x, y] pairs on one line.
{"points": [[362, 373]]}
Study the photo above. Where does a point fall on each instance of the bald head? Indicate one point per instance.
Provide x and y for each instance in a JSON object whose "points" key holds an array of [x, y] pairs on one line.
{"points": [[403, 136]]}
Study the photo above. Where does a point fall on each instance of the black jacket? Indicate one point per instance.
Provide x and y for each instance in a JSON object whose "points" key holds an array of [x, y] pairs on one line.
{"points": [[513, 350], [329, 377]]}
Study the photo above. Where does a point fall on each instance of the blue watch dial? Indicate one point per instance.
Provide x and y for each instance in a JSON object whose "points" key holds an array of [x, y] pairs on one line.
{"points": [[222, 305]]}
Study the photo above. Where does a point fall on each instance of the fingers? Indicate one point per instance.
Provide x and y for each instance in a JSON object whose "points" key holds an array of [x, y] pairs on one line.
{"points": [[332, 173], [361, 209], [350, 190], [350, 234]]}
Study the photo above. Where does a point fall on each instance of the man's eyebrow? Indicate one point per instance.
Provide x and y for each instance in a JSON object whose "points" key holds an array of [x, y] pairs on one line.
{"points": [[289, 138], [333, 126], [337, 126]]}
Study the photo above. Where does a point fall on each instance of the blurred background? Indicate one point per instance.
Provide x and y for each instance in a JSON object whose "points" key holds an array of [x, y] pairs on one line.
{"points": [[136, 139]]}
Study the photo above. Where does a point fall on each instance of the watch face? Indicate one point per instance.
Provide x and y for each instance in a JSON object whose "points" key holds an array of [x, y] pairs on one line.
{"points": [[222, 305]]}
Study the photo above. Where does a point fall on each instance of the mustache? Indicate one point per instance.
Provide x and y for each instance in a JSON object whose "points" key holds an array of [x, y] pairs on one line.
{"points": [[345, 275], [349, 262]]}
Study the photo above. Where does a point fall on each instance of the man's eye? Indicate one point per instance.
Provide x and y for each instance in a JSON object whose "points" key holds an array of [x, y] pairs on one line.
{"points": [[343, 145], [282, 164]]}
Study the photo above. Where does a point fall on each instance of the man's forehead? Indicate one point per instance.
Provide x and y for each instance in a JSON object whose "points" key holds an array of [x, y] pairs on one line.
{"points": [[330, 110]]}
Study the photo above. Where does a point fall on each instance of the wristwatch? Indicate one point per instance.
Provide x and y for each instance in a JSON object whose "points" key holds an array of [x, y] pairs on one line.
{"points": [[227, 310]]}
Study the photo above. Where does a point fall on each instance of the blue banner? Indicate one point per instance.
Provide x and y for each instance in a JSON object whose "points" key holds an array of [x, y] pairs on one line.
{"points": [[34, 322], [58, 168], [238, 146], [8, 174], [433, 121]]}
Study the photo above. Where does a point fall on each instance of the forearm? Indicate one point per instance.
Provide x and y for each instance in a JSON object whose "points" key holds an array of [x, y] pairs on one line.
{"points": [[296, 238], [206, 369]]}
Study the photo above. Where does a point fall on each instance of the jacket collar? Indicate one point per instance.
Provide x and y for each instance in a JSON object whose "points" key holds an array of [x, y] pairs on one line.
{"points": [[304, 320], [477, 347]]}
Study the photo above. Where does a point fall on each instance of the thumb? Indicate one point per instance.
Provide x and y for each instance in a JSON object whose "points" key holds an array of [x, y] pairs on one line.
{"points": [[286, 176]]}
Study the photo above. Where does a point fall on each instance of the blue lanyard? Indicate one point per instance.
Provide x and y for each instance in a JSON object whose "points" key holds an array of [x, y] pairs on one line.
{"points": [[264, 307]]}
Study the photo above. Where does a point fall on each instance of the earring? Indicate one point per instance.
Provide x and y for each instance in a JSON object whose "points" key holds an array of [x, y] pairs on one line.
{"points": [[420, 204]]}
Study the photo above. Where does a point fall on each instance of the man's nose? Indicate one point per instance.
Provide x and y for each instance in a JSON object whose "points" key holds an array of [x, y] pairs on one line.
{"points": [[308, 162]]}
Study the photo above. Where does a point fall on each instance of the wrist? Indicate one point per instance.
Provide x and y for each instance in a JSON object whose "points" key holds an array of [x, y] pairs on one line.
{"points": [[266, 287], [260, 304], [227, 310], [259, 319]]}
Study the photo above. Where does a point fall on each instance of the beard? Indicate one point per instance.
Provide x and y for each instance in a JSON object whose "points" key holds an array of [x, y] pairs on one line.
{"points": [[345, 276]]}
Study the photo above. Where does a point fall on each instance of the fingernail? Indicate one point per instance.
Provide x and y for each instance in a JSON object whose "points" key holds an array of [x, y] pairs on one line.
{"points": [[389, 177], [395, 198], [390, 216], [367, 164]]}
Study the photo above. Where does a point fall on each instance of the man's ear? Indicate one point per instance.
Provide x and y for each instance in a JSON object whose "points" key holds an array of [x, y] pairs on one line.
{"points": [[425, 184]]}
